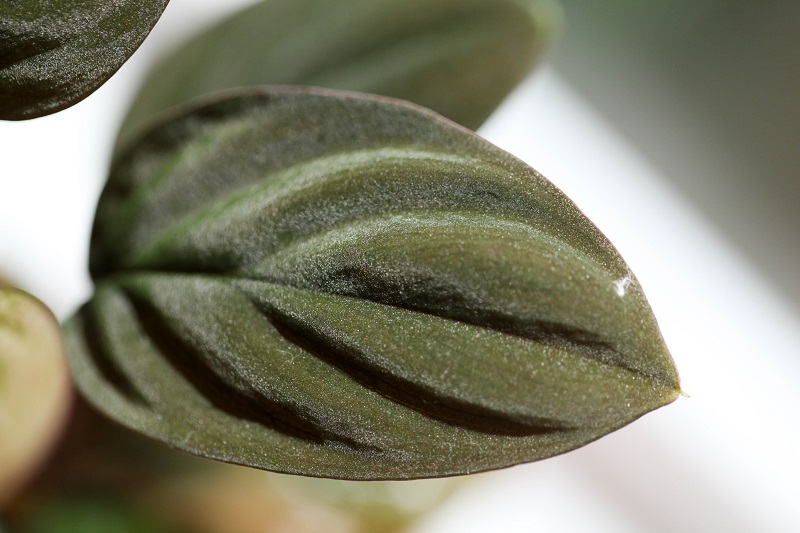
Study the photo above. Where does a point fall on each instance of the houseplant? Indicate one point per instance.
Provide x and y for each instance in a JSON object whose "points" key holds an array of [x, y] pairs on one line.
{"points": [[463, 147]]}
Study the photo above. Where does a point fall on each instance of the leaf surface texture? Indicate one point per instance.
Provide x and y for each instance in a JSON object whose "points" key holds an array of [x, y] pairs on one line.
{"points": [[54, 53], [349, 286]]}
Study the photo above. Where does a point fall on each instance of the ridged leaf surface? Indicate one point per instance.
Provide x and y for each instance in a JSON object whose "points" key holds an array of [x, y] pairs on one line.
{"points": [[341, 285], [54, 53]]}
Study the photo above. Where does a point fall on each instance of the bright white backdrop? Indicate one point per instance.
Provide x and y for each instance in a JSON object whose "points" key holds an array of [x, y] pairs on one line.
{"points": [[726, 459]]}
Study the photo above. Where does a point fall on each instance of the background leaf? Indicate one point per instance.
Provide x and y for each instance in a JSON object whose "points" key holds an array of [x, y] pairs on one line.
{"points": [[457, 57], [55, 53], [341, 285], [35, 390]]}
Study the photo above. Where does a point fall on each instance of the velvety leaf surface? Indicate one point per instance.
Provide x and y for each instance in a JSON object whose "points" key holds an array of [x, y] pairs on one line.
{"points": [[54, 53], [339, 285], [35, 388], [457, 57]]}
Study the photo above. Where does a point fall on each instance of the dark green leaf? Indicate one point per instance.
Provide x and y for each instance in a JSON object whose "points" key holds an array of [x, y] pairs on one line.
{"points": [[457, 57], [54, 53], [340, 285]]}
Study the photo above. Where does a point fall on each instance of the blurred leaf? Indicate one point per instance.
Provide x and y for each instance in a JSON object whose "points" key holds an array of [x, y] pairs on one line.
{"points": [[244, 500], [348, 286], [91, 515], [458, 57], [34, 387], [54, 53]]}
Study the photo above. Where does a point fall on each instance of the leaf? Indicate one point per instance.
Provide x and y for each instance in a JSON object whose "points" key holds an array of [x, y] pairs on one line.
{"points": [[55, 53], [35, 388], [91, 514], [458, 57], [341, 285], [225, 498]]}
